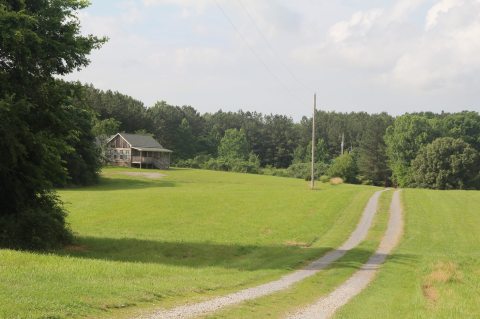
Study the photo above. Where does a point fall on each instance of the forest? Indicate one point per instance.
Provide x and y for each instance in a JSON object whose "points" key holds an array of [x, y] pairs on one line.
{"points": [[425, 149]]}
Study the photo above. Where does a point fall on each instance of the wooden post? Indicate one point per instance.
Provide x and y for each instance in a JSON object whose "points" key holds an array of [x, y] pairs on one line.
{"points": [[141, 159], [312, 184]]}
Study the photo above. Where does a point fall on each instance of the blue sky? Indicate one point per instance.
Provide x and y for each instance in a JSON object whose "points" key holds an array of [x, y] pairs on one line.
{"points": [[270, 56]]}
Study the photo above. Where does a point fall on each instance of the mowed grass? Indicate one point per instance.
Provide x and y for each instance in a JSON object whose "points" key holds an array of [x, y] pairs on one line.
{"points": [[442, 276], [308, 291], [144, 243]]}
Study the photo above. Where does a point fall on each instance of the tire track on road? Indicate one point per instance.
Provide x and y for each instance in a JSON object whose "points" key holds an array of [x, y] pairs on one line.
{"points": [[327, 306]]}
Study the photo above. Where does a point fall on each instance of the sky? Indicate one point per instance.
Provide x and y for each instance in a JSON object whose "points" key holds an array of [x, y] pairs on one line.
{"points": [[271, 56]]}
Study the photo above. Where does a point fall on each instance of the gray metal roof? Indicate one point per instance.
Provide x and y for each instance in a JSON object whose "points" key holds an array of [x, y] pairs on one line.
{"points": [[142, 141], [152, 149]]}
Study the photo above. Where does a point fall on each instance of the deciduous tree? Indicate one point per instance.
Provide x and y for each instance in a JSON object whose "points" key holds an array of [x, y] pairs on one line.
{"points": [[446, 163], [40, 40]]}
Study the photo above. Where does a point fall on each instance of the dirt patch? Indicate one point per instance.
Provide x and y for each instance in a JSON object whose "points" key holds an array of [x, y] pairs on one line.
{"points": [[430, 293], [444, 272], [146, 175]]}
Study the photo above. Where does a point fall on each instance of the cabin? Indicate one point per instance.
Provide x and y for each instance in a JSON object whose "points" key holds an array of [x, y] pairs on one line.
{"points": [[136, 150]]}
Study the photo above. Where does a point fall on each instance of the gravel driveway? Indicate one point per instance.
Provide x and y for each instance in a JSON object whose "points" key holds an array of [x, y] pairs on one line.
{"points": [[326, 307], [201, 308]]}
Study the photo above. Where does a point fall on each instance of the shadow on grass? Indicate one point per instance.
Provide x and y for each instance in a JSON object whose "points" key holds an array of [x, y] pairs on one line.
{"points": [[108, 184], [204, 254]]}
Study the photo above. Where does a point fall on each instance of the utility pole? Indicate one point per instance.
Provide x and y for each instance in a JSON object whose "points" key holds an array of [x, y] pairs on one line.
{"points": [[312, 184], [343, 143]]}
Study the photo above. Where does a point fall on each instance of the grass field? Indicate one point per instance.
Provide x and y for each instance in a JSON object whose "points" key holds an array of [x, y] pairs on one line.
{"points": [[441, 276], [308, 291], [187, 236]]}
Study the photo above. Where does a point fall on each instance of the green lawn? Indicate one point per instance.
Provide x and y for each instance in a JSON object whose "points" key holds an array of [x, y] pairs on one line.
{"points": [[188, 236], [440, 275], [306, 292]]}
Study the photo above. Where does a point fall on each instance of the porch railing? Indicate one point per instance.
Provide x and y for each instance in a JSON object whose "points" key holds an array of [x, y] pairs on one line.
{"points": [[142, 159]]}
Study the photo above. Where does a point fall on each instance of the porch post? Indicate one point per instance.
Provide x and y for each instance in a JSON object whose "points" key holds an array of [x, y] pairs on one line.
{"points": [[141, 159]]}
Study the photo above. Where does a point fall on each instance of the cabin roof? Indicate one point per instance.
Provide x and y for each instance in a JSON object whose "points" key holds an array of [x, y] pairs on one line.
{"points": [[142, 142], [152, 149]]}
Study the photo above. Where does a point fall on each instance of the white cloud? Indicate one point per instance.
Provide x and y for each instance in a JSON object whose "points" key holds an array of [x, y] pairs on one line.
{"points": [[188, 8], [441, 7], [186, 52], [358, 25], [446, 56], [393, 51], [402, 9]]}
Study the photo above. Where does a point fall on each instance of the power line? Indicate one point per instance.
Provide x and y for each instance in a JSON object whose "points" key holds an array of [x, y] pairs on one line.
{"points": [[257, 56], [274, 53]]}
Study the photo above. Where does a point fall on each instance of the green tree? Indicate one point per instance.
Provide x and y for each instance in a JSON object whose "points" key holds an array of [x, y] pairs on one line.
{"points": [[280, 138], [404, 139], [321, 152], [300, 154], [234, 145], [372, 157], [83, 156], [40, 40], [464, 125], [447, 163], [344, 166], [185, 147], [129, 112], [181, 129], [103, 131]]}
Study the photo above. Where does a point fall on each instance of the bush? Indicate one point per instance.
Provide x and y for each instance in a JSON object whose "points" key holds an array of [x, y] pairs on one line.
{"points": [[232, 165], [324, 179], [217, 164], [336, 181], [273, 171], [344, 166], [196, 162], [36, 228], [303, 170]]}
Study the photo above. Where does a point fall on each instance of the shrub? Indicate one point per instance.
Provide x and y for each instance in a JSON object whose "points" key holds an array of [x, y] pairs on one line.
{"points": [[303, 170], [196, 162], [36, 228], [324, 179], [273, 171], [233, 165], [336, 181], [344, 166]]}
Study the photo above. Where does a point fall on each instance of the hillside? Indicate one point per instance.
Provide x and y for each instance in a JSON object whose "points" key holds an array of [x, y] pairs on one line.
{"points": [[188, 235]]}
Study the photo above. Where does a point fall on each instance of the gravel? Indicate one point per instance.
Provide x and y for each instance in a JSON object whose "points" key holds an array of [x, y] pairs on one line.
{"points": [[201, 308], [326, 307]]}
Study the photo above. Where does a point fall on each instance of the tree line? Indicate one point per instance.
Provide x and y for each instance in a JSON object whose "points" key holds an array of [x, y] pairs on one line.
{"points": [[413, 150]]}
